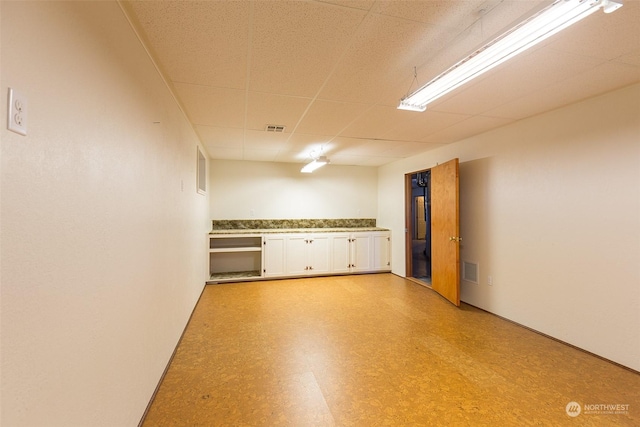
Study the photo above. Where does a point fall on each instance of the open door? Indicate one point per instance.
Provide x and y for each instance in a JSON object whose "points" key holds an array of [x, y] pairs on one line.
{"points": [[445, 231]]}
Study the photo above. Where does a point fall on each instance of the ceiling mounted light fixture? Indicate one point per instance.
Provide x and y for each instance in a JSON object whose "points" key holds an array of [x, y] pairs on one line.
{"points": [[557, 16], [315, 164]]}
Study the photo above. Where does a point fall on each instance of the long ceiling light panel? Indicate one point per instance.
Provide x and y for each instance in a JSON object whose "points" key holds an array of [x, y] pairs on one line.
{"points": [[314, 164], [543, 24]]}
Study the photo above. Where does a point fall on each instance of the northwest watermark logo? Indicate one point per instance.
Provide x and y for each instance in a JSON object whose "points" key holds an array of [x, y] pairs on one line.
{"points": [[574, 409]]}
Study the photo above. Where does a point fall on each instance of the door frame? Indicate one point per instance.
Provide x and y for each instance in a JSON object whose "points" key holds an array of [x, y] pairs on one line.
{"points": [[447, 268]]}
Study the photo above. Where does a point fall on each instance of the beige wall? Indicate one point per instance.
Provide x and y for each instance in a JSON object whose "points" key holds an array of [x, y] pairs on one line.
{"points": [[102, 230], [263, 190], [550, 208]]}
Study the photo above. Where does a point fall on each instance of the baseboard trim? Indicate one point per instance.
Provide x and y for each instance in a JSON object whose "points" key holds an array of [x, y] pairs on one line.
{"points": [[556, 339], [166, 368]]}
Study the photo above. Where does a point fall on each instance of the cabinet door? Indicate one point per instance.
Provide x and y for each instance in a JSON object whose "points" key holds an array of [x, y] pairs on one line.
{"points": [[296, 254], [381, 251], [340, 253], [318, 254], [274, 256], [361, 252]]}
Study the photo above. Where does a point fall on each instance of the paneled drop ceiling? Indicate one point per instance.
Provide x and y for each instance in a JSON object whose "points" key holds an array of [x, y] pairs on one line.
{"points": [[332, 72]]}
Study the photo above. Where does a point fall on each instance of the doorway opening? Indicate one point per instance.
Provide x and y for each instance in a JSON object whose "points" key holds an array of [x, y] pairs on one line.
{"points": [[420, 226], [435, 260]]}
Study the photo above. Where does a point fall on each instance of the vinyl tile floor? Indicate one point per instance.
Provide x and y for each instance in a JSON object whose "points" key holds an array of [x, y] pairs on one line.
{"points": [[376, 350]]}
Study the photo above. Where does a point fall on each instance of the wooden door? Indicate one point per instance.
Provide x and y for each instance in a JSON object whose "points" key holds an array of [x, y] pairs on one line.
{"points": [[445, 231]]}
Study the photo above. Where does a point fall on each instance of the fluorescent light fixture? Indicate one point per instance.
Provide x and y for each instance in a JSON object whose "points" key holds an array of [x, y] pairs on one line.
{"points": [[315, 164], [557, 16]]}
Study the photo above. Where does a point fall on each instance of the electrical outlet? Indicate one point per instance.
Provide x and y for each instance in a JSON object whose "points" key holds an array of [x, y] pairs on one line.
{"points": [[490, 281], [17, 113]]}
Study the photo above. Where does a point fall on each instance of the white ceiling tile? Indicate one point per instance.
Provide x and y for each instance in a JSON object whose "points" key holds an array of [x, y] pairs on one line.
{"points": [[632, 58], [356, 4], [260, 155], [443, 13], [408, 149], [328, 117], [224, 153], [222, 137], [334, 71], [261, 140], [375, 122], [606, 77], [266, 108], [299, 146], [421, 125], [602, 35], [361, 147], [213, 106], [194, 44], [471, 126], [296, 45], [372, 161], [382, 49], [289, 157]]}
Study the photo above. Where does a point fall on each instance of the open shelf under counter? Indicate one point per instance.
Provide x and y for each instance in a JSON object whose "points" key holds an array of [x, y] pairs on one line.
{"points": [[234, 243], [234, 249], [234, 276], [234, 257]]}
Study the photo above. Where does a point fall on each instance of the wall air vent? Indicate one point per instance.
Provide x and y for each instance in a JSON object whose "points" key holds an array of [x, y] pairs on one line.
{"points": [[470, 271], [275, 128]]}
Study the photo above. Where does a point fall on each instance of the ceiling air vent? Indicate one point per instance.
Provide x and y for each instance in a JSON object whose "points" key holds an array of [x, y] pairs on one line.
{"points": [[275, 128]]}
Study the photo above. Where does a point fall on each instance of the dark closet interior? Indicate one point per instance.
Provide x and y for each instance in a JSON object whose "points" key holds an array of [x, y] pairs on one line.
{"points": [[421, 226]]}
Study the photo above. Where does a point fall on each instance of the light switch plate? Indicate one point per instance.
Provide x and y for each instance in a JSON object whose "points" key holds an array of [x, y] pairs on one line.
{"points": [[17, 113]]}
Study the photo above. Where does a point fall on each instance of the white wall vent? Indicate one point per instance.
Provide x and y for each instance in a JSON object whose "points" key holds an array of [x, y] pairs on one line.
{"points": [[275, 128], [470, 272]]}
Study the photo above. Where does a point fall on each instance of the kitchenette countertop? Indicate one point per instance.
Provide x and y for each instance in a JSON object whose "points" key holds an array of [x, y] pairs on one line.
{"points": [[295, 230], [274, 226]]}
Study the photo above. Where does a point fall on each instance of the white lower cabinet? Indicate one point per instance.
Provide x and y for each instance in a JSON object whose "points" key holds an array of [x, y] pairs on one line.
{"points": [[307, 254], [275, 255], [360, 252], [340, 253], [381, 242], [274, 251]]}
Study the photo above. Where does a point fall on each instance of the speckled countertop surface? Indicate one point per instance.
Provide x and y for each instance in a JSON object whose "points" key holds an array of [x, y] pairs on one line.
{"points": [[264, 226], [296, 230]]}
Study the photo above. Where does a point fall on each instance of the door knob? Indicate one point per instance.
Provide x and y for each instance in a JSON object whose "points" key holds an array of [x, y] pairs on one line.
{"points": [[455, 239]]}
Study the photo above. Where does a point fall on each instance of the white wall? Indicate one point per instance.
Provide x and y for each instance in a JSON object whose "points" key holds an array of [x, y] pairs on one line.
{"points": [[550, 208], [264, 190], [102, 229]]}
